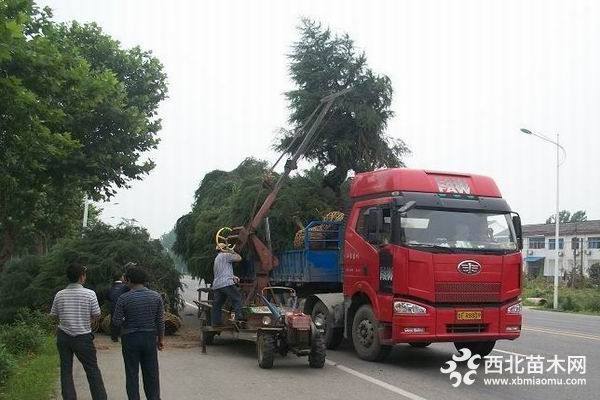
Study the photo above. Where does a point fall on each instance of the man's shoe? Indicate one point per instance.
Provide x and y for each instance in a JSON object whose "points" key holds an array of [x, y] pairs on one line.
{"points": [[115, 339]]}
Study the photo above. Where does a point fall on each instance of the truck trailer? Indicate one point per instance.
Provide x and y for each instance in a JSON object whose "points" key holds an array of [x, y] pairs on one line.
{"points": [[421, 257]]}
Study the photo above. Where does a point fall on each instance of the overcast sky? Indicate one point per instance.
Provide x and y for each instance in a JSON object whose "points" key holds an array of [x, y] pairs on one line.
{"points": [[466, 76]]}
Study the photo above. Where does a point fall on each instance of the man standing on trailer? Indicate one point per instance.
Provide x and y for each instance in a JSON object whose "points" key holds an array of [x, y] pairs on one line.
{"points": [[224, 284]]}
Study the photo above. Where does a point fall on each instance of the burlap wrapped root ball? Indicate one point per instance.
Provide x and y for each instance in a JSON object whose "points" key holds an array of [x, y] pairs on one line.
{"points": [[172, 323], [317, 232], [105, 324], [97, 323]]}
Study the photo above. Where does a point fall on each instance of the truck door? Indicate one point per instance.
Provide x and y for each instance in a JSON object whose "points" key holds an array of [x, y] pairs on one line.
{"points": [[372, 261]]}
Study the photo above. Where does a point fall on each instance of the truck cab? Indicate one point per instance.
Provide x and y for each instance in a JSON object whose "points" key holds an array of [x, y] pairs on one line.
{"points": [[429, 257]]}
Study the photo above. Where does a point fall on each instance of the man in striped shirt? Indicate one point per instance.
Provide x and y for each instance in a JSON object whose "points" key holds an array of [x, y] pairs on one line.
{"points": [[75, 307], [140, 314]]}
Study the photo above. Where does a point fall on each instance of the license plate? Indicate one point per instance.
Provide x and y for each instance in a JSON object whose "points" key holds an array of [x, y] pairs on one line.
{"points": [[468, 315]]}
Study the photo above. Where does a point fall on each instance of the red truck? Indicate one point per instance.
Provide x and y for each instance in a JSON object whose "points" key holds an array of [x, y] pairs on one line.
{"points": [[422, 257]]}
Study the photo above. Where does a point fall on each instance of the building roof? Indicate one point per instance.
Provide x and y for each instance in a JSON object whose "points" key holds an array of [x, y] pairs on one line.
{"points": [[566, 229]]}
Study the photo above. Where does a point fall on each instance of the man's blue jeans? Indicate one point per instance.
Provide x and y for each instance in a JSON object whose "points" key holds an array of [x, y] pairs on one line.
{"points": [[139, 350], [220, 296]]}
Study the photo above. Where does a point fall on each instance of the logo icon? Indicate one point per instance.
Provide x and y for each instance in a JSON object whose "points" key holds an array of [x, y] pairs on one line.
{"points": [[468, 377], [469, 267]]}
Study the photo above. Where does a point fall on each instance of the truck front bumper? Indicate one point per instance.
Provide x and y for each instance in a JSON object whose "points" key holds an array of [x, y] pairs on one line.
{"points": [[442, 324]]}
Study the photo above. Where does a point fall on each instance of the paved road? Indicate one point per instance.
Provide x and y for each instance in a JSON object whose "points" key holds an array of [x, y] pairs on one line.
{"points": [[414, 373]]}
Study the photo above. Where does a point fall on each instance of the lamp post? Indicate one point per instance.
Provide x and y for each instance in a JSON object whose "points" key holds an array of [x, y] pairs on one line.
{"points": [[557, 215]]}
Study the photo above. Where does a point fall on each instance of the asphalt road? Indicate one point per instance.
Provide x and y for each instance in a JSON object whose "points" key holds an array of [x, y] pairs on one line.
{"points": [[415, 373]]}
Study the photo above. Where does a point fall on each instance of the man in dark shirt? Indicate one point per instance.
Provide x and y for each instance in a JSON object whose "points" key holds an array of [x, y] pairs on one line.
{"points": [[140, 315], [117, 288]]}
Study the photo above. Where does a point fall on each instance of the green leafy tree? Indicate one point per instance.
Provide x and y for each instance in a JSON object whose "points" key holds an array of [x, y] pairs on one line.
{"points": [[230, 198], [168, 240], [32, 281], [352, 136], [565, 217], [77, 114]]}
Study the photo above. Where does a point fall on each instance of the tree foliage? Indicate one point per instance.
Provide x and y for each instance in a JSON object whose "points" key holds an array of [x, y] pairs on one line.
{"points": [[77, 112], [168, 240], [229, 199], [32, 281], [352, 136], [565, 216]]}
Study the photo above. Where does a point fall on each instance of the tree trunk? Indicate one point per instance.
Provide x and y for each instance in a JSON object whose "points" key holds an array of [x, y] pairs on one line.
{"points": [[8, 247], [335, 179]]}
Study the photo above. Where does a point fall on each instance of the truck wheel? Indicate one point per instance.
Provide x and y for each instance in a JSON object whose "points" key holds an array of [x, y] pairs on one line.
{"points": [[265, 350], [481, 348], [420, 345], [365, 336], [318, 352], [333, 336]]}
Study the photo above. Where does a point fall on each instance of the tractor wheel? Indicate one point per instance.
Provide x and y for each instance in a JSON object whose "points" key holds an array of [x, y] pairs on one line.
{"points": [[481, 348], [333, 336], [265, 350], [318, 352], [209, 337], [420, 345], [365, 335]]}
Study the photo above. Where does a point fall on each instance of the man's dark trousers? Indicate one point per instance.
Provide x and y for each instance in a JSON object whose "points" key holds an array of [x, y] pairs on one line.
{"points": [[220, 297], [83, 348], [139, 349]]}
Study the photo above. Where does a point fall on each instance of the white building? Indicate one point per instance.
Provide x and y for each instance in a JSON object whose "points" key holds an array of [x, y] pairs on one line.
{"points": [[579, 244]]}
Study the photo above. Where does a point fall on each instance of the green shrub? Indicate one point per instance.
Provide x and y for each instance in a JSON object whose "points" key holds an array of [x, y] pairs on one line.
{"points": [[32, 282], [7, 364], [21, 338], [593, 303], [36, 317], [567, 303]]}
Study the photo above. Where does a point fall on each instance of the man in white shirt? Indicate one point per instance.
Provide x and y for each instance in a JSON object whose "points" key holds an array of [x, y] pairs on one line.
{"points": [[75, 307], [224, 284]]}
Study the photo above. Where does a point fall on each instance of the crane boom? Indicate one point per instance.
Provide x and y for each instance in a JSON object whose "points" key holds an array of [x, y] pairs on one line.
{"points": [[267, 261]]}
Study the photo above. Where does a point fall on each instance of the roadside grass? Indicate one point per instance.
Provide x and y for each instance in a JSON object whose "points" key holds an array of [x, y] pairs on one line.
{"points": [[583, 300], [35, 376]]}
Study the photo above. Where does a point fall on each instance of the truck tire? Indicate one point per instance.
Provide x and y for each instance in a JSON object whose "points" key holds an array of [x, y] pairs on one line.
{"points": [[420, 345], [318, 352], [365, 335], [333, 336], [481, 348], [265, 350]]}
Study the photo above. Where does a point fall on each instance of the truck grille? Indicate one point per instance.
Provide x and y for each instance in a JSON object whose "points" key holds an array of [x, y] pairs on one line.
{"points": [[467, 292], [466, 328]]}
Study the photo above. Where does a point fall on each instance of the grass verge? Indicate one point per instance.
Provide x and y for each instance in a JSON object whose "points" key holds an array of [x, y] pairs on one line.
{"points": [[584, 300], [35, 377]]}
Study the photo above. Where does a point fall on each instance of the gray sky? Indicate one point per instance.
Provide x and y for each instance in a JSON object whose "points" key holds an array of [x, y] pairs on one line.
{"points": [[466, 76]]}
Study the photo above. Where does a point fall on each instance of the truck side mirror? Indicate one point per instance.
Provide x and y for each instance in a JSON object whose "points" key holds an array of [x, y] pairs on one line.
{"points": [[374, 220], [518, 230]]}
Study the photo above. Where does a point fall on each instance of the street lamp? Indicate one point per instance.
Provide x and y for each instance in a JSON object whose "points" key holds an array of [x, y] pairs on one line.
{"points": [[557, 215]]}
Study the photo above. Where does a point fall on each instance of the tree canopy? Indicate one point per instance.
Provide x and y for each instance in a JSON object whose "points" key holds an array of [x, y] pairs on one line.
{"points": [[229, 199], [32, 281], [77, 113], [565, 216], [352, 136]]}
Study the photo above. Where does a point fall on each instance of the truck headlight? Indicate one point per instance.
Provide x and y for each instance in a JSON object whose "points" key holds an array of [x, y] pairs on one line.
{"points": [[515, 309], [405, 307], [266, 320]]}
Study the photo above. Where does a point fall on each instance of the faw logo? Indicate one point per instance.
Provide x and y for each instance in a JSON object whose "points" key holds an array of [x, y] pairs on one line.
{"points": [[469, 267], [447, 184]]}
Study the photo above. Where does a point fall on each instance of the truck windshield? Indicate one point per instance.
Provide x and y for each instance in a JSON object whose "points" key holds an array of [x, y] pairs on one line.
{"points": [[449, 229]]}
